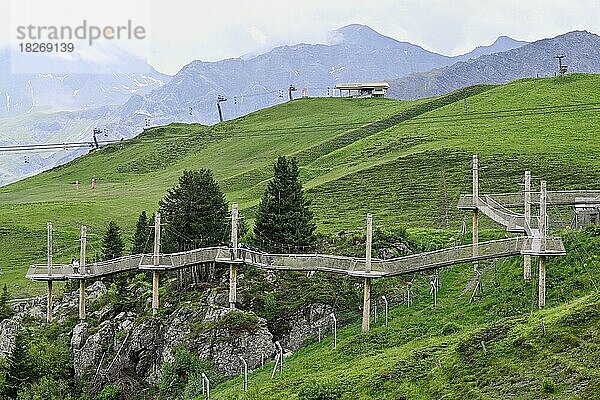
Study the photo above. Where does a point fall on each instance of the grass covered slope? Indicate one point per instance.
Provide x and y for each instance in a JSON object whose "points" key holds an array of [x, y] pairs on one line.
{"points": [[406, 162], [428, 353]]}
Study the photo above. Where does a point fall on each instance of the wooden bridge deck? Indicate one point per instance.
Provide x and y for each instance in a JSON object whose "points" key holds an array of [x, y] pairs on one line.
{"points": [[306, 262], [557, 198]]}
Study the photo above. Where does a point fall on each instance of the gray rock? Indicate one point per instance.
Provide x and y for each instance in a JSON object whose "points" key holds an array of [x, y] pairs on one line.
{"points": [[306, 323]]}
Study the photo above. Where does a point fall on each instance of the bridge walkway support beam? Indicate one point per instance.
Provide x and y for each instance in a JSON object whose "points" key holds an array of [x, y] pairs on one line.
{"points": [[49, 304], [234, 255], [543, 233], [367, 285], [475, 235], [156, 262], [527, 212], [82, 266]]}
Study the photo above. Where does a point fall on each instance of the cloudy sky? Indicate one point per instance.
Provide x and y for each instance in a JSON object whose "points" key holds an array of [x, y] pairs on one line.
{"points": [[184, 30]]}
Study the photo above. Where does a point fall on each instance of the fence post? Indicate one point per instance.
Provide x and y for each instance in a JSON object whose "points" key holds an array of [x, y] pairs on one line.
{"points": [[386, 309], [245, 372], [280, 356], [334, 330]]}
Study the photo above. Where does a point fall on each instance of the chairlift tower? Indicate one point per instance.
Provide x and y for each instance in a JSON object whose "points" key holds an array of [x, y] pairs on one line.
{"points": [[220, 99], [562, 69], [290, 90]]}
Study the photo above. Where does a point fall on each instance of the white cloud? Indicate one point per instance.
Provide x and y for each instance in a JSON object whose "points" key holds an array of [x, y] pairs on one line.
{"points": [[258, 35]]}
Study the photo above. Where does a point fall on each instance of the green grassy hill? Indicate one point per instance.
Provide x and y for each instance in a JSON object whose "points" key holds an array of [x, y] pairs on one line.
{"points": [[406, 162], [428, 353]]}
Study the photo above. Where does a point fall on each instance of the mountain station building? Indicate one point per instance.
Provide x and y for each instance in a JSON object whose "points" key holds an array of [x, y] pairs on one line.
{"points": [[367, 89]]}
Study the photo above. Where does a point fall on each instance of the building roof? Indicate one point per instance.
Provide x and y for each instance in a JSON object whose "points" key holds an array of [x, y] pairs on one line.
{"points": [[362, 85]]}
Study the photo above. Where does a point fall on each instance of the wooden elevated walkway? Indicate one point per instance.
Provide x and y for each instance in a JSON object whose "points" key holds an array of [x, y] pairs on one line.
{"points": [[305, 262], [533, 241], [555, 197]]}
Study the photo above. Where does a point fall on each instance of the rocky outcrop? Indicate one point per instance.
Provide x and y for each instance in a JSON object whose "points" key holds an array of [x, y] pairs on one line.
{"points": [[138, 345], [35, 308], [130, 348], [306, 323]]}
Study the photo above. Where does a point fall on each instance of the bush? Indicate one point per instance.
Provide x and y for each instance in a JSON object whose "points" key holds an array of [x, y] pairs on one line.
{"points": [[237, 323], [321, 390], [47, 388], [109, 392], [450, 328], [548, 385], [182, 376]]}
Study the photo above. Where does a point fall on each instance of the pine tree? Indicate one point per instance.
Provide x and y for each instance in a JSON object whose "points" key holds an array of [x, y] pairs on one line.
{"points": [[18, 369], [6, 311], [112, 243], [142, 234], [194, 213], [284, 220]]}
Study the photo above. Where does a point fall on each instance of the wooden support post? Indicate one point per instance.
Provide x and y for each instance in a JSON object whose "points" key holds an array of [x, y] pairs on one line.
{"points": [[527, 212], [82, 271], [542, 283], [49, 259], [543, 232], [475, 211], [49, 247], [234, 249], [156, 262], [82, 314], [232, 285], [367, 285], [49, 303]]}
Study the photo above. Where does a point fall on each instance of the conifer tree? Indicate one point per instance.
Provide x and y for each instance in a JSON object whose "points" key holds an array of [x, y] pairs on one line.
{"points": [[112, 243], [18, 369], [142, 234], [6, 310], [284, 220], [194, 213]]}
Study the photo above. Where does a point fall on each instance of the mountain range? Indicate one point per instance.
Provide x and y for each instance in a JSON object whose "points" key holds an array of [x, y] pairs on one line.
{"points": [[110, 79], [354, 53], [581, 50], [132, 94]]}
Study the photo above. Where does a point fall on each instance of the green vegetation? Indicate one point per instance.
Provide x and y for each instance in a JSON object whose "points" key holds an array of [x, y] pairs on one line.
{"points": [[141, 237], [112, 242], [40, 366], [428, 353], [18, 371], [414, 162], [405, 162], [194, 212], [182, 377], [284, 217], [6, 310]]}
